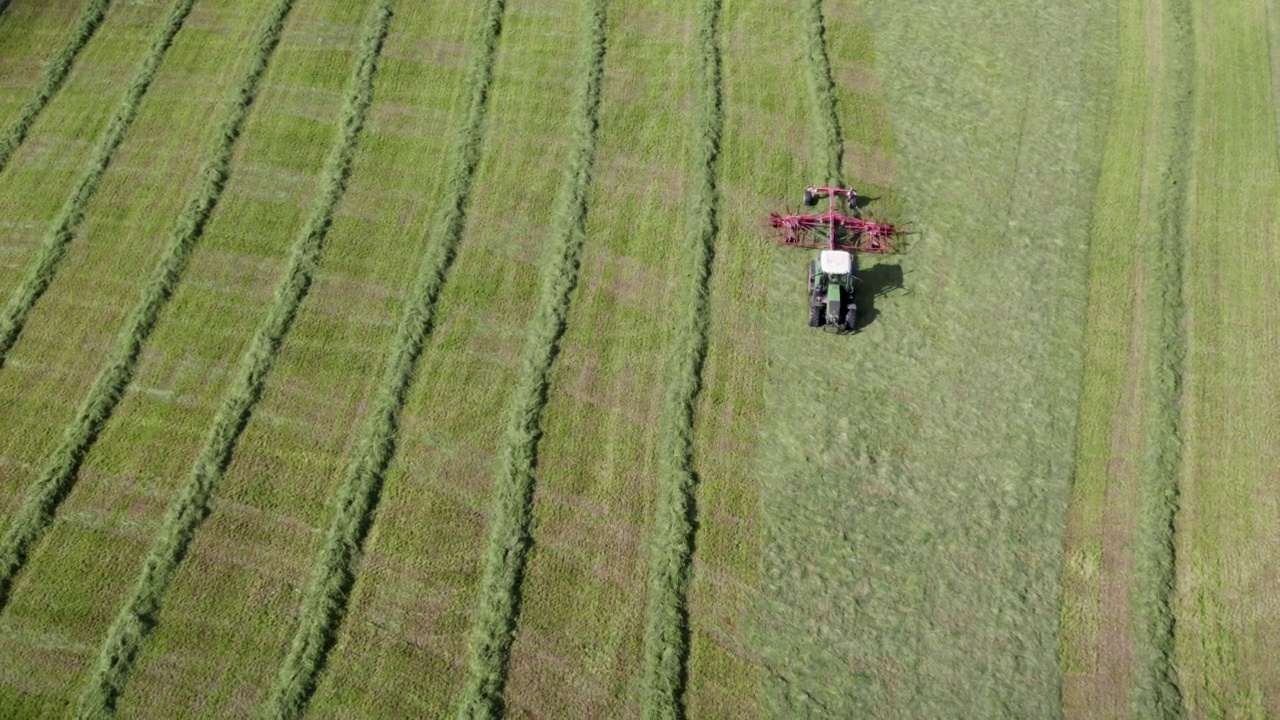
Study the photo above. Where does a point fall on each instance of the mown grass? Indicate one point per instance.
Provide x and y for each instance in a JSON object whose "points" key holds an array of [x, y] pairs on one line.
{"points": [[189, 509], [1225, 604], [1117, 623], [60, 468], [578, 648], [494, 623], [75, 572], [263, 527], [108, 387], [762, 167], [325, 601], [31, 34], [91, 15], [68, 222], [1096, 633], [914, 475], [666, 633], [50, 162]]}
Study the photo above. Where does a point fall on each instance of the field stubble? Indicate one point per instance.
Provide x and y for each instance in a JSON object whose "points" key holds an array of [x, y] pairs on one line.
{"points": [[325, 602], [509, 507]]}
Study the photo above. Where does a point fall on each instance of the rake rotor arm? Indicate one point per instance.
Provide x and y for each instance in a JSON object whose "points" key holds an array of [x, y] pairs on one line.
{"points": [[823, 231]]}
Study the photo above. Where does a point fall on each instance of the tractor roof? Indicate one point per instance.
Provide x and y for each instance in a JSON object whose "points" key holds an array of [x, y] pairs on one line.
{"points": [[836, 262]]}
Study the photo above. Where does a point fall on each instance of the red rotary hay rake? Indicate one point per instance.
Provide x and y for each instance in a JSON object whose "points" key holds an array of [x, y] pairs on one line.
{"points": [[832, 229]]}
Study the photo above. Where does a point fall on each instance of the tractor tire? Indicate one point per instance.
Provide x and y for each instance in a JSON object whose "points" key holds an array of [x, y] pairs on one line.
{"points": [[851, 318], [810, 290], [815, 315], [809, 198]]}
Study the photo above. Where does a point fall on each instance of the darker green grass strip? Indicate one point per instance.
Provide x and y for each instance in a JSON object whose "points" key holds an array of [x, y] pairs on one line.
{"points": [[325, 603], [72, 212], [60, 469], [497, 612], [91, 15], [827, 141], [666, 633], [1155, 691], [136, 618]]}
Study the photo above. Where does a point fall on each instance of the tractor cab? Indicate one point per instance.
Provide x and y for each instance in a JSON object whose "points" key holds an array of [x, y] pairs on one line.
{"points": [[832, 279]]}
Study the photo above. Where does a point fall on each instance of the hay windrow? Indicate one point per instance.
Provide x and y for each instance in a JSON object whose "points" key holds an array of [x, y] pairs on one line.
{"points": [[666, 638], [1155, 689], [827, 142]]}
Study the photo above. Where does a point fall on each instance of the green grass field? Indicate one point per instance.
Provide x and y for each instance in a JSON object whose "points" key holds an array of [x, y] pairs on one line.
{"points": [[422, 359]]}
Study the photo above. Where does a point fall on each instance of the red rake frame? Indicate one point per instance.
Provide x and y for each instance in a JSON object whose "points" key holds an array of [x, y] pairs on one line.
{"points": [[836, 230]]}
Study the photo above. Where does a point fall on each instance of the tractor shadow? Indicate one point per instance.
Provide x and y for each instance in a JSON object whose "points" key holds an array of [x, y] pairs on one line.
{"points": [[875, 282]]}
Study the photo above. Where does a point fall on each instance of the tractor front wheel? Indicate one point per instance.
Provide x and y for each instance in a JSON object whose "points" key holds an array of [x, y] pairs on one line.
{"points": [[851, 318], [815, 315]]}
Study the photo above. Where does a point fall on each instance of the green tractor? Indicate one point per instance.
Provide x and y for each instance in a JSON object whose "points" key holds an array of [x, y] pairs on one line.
{"points": [[833, 278]]}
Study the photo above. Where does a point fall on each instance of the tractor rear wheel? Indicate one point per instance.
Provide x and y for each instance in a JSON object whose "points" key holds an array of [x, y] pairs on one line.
{"points": [[810, 278], [815, 315]]}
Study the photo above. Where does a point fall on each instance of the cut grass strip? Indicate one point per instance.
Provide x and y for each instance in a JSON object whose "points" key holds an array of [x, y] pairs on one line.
{"points": [[1116, 630], [827, 142], [325, 602], [1095, 636], [71, 215], [90, 18], [1155, 690], [498, 608], [135, 620], [666, 634], [1227, 615], [55, 481]]}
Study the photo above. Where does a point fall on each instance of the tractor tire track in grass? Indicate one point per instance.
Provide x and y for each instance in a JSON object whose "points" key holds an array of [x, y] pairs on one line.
{"points": [[131, 626], [827, 142], [72, 212], [666, 636], [510, 509], [55, 481], [325, 601], [87, 23]]}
